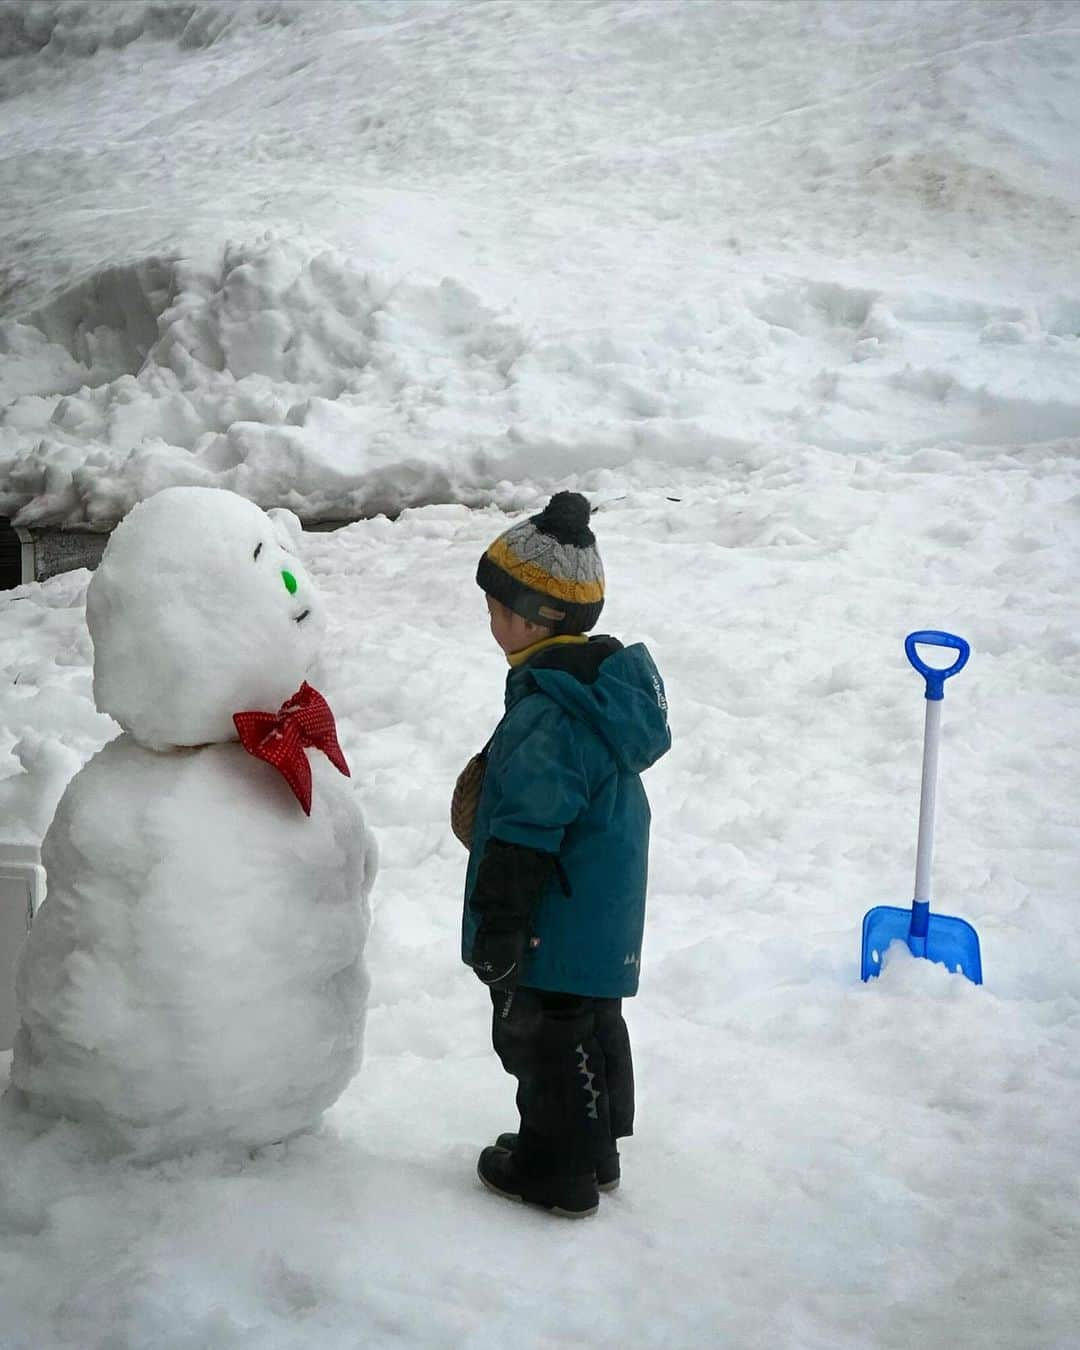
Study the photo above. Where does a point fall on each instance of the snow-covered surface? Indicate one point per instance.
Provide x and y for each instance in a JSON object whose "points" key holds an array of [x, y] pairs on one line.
{"points": [[360, 256], [791, 291]]}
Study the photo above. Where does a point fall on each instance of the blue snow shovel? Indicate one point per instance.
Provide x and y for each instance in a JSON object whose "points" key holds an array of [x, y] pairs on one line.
{"points": [[937, 937]]}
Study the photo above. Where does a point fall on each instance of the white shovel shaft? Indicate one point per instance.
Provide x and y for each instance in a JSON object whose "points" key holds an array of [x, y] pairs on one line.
{"points": [[928, 799]]}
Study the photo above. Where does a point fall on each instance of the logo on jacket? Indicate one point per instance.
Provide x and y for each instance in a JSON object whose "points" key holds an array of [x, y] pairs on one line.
{"points": [[630, 959], [661, 697]]}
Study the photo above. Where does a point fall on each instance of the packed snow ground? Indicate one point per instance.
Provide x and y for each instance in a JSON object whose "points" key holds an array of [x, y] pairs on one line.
{"points": [[791, 291], [818, 1163]]}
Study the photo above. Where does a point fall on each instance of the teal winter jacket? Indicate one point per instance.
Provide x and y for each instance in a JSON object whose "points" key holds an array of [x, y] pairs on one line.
{"points": [[562, 776]]}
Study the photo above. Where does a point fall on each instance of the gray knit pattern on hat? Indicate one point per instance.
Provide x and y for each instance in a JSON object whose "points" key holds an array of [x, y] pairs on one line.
{"points": [[565, 561]]}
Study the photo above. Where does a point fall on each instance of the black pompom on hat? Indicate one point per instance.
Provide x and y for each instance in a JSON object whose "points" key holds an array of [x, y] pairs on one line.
{"points": [[566, 518], [548, 568]]}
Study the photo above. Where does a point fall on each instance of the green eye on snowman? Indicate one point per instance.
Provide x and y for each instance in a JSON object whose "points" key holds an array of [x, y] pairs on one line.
{"points": [[286, 576]]}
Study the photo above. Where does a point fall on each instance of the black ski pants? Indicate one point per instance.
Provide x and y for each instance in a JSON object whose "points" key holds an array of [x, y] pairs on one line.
{"points": [[571, 1057]]}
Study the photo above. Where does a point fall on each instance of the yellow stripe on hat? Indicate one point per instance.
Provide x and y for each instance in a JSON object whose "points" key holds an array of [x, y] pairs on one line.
{"points": [[537, 578]]}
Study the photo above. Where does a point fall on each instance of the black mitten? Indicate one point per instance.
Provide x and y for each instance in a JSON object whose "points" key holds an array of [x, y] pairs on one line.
{"points": [[497, 957], [509, 884]]}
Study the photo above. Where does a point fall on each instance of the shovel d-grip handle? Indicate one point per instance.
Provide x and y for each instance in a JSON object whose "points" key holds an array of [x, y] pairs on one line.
{"points": [[935, 678]]}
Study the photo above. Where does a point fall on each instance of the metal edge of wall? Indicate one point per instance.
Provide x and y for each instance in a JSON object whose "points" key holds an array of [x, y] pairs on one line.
{"points": [[53, 551], [28, 566], [39, 560]]}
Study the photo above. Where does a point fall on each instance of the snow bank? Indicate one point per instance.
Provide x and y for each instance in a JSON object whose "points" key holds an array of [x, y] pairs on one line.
{"points": [[56, 29], [393, 254], [286, 371]]}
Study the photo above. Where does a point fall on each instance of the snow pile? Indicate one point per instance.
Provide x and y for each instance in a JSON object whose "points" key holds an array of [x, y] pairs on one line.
{"points": [[293, 377], [58, 29], [441, 246], [288, 373]]}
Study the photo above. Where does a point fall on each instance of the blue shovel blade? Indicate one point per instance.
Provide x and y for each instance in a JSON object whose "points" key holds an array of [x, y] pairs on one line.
{"points": [[953, 942]]}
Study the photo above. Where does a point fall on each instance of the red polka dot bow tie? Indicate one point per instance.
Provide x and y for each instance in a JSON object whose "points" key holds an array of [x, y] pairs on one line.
{"points": [[281, 739]]}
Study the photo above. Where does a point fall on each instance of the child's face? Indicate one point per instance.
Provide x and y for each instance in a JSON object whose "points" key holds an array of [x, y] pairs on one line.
{"points": [[511, 631]]}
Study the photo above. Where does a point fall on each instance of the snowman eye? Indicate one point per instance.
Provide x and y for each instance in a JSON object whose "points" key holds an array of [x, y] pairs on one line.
{"points": [[257, 552]]}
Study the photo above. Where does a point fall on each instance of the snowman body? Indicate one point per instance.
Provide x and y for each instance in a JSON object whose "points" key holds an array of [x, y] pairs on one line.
{"points": [[195, 975]]}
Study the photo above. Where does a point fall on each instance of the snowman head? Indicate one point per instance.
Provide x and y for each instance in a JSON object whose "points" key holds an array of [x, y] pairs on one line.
{"points": [[199, 609]]}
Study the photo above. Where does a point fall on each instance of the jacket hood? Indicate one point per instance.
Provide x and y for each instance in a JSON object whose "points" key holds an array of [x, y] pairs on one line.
{"points": [[615, 690]]}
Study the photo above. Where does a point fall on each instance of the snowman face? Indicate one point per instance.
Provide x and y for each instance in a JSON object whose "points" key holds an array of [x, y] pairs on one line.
{"points": [[200, 609]]}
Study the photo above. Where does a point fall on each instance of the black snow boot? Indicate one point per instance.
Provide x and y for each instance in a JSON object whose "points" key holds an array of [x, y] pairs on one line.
{"points": [[571, 1197], [608, 1172]]}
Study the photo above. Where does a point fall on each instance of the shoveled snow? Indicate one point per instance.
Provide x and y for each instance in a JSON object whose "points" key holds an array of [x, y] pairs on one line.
{"points": [[790, 290], [350, 258]]}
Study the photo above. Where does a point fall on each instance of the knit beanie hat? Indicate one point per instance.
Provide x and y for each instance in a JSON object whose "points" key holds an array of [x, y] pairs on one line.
{"points": [[547, 569]]}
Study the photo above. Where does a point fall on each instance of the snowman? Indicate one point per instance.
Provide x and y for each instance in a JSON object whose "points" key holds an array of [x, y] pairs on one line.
{"points": [[195, 975]]}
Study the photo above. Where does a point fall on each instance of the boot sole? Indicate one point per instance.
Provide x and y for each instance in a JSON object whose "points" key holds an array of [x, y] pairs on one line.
{"points": [[548, 1209]]}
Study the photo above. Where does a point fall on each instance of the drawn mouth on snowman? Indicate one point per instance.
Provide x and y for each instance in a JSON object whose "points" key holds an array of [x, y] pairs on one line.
{"points": [[301, 617]]}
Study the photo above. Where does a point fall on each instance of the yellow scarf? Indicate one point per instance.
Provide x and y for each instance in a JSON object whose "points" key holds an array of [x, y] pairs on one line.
{"points": [[519, 658]]}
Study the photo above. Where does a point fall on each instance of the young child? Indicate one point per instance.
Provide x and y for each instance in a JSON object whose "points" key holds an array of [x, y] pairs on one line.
{"points": [[555, 889]]}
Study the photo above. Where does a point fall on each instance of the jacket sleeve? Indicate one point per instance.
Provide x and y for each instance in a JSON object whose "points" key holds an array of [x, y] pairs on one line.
{"points": [[545, 776]]}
